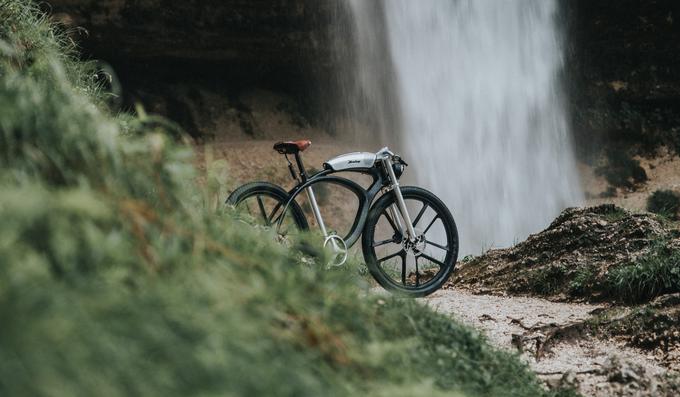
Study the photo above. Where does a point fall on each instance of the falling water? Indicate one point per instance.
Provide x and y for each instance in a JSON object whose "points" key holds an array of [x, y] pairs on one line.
{"points": [[480, 107]]}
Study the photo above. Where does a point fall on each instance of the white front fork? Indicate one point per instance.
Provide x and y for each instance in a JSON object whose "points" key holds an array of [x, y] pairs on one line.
{"points": [[401, 205]]}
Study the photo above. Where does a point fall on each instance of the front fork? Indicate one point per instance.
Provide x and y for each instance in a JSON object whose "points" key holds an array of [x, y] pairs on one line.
{"points": [[400, 205]]}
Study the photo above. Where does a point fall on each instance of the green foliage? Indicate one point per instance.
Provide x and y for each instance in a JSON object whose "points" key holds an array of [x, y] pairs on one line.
{"points": [[615, 214], [654, 274], [547, 280], [583, 281], [117, 278], [665, 203]]}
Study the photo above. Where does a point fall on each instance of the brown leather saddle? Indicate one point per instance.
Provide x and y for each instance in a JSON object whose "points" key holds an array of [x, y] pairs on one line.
{"points": [[292, 147]]}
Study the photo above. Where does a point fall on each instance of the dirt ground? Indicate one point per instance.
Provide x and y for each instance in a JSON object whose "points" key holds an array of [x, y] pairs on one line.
{"points": [[595, 367], [663, 173]]}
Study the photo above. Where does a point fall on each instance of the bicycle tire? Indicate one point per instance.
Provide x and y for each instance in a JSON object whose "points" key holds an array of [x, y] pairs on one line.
{"points": [[368, 243], [272, 191]]}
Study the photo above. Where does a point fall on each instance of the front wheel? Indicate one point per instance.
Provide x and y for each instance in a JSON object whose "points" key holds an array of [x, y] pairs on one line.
{"points": [[413, 268]]}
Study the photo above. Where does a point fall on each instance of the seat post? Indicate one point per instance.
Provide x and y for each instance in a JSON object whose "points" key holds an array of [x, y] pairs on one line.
{"points": [[301, 167]]}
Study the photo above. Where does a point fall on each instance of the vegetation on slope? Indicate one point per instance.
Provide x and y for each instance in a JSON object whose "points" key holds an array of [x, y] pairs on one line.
{"points": [[653, 274], [116, 279], [598, 253]]}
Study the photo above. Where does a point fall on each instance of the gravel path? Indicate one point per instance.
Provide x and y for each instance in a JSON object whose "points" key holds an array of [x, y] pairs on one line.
{"points": [[598, 368]]}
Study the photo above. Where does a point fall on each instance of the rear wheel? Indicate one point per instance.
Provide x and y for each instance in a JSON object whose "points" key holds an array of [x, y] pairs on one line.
{"points": [[415, 268], [263, 204]]}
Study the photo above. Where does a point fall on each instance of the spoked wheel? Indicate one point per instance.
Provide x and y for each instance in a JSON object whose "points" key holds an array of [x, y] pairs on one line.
{"points": [[263, 204], [414, 268]]}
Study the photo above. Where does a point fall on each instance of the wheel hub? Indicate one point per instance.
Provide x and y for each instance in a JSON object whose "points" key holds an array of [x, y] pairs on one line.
{"points": [[416, 247]]}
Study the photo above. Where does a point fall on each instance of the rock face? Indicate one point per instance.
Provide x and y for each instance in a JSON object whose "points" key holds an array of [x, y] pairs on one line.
{"points": [[195, 61], [254, 33], [572, 258], [622, 61], [624, 66]]}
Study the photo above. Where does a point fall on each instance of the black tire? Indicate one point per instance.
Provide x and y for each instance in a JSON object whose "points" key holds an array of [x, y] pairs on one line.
{"points": [[278, 198], [447, 247]]}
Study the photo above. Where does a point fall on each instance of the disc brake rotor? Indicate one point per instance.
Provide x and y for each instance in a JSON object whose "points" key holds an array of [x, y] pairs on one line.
{"points": [[415, 247]]}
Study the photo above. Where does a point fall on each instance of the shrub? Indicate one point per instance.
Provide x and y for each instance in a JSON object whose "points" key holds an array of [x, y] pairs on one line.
{"points": [[665, 203]]}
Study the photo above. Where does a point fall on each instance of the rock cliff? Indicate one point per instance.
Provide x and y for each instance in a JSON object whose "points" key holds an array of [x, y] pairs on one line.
{"points": [[622, 60]]}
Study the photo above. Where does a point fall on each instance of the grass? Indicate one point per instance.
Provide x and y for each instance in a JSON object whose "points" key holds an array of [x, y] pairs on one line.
{"points": [[654, 274], [548, 280], [583, 281], [117, 278], [615, 214]]}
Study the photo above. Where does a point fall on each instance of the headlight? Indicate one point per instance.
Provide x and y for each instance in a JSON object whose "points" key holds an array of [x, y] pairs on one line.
{"points": [[398, 169]]}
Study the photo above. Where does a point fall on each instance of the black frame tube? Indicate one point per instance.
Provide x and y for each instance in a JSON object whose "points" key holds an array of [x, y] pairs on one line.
{"points": [[366, 196]]}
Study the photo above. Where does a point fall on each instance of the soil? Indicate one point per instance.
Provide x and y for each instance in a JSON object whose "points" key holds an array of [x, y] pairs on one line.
{"points": [[663, 173], [603, 347], [551, 338], [572, 257]]}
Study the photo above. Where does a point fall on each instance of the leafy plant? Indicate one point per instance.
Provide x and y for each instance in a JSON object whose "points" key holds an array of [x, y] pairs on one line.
{"points": [[621, 169]]}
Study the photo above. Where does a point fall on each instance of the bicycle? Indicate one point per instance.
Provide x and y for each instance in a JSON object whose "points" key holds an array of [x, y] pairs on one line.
{"points": [[383, 219]]}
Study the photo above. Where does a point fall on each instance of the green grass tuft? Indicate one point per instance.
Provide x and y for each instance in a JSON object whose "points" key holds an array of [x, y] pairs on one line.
{"points": [[654, 274]]}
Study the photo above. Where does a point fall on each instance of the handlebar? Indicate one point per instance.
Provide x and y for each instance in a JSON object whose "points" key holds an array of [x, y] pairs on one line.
{"points": [[387, 153]]}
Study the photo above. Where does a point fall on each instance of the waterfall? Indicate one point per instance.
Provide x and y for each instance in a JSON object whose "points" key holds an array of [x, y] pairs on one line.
{"points": [[479, 107]]}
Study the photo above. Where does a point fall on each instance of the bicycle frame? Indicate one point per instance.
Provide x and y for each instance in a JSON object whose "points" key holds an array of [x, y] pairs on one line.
{"points": [[366, 197], [381, 221]]}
